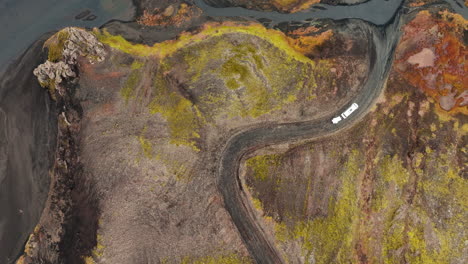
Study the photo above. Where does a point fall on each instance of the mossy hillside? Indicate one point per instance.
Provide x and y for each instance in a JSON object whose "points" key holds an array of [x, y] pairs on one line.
{"points": [[409, 226], [328, 239], [167, 48], [417, 207], [259, 77], [183, 117], [332, 238]]}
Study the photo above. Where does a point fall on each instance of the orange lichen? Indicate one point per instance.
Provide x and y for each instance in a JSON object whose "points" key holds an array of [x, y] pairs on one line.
{"points": [[293, 5], [417, 3], [432, 57], [308, 44], [304, 31], [90, 71], [168, 16]]}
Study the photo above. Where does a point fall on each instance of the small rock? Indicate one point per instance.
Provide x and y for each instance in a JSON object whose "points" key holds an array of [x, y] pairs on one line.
{"points": [[424, 58], [447, 102], [169, 11]]}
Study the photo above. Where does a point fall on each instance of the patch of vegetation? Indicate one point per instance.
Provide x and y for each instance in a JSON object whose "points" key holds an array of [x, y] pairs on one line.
{"points": [[51, 87], [263, 165], [146, 146], [119, 43], [392, 170], [56, 44], [137, 64], [167, 48], [128, 90], [330, 238], [260, 76], [183, 117]]}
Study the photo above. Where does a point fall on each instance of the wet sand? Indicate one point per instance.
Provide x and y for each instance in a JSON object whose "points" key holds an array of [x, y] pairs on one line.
{"points": [[27, 143]]}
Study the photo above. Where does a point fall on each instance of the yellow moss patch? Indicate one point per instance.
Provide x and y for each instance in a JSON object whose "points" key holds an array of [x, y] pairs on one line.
{"points": [[98, 251], [261, 165], [330, 238], [181, 114], [167, 48], [56, 44], [146, 146], [137, 64], [89, 260], [294, 5], [220, 259], [128, 90], [257, 204], [392, 170]]}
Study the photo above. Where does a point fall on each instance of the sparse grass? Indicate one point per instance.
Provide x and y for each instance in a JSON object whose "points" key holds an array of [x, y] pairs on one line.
{"points": [[137, 64], [146, 146], [330, 238], [182, 116]]}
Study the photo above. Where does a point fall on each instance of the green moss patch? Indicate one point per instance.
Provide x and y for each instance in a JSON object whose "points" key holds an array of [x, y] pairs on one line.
{"points": [[56, 44]]}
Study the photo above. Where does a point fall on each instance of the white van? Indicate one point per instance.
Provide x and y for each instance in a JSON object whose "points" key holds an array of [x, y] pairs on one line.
{"points": [[350, 110], [346, 113], [336, 120]]}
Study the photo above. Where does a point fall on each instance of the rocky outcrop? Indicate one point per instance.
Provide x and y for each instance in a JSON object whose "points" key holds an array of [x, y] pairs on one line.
{"points": [[59, 236], [56, 71], [82, 43], [70, 43]]}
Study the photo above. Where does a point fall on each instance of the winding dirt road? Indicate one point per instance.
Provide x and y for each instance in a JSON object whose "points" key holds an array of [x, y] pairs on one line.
{"points": [[382, 41]]}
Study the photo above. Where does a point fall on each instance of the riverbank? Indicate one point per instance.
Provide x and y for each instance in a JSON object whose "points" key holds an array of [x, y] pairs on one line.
{"points": [[27, 143]]}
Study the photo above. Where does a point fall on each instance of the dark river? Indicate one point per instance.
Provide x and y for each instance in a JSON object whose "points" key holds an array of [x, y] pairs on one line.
{"points": [[24, 21], [27, 118]]}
